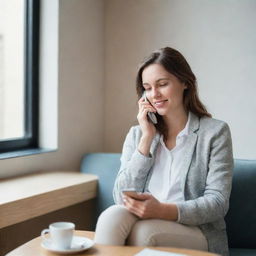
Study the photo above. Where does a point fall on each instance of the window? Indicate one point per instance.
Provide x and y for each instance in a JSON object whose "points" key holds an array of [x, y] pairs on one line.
{"points": [[19, 74]]}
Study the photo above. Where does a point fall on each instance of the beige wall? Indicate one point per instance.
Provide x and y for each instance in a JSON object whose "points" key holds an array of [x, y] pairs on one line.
{"points": [[80, 92], [100, 46], [216, 37]]}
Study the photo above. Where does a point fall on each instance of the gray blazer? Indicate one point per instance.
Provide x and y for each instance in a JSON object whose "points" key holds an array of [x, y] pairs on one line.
{"points": [[206, 176]]}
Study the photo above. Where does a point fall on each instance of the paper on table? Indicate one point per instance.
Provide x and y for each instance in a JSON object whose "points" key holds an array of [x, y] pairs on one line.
{"points": [[150, 252]]}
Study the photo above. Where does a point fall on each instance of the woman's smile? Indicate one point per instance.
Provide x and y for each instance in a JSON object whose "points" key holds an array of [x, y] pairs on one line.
{"points": [[160, 103]]}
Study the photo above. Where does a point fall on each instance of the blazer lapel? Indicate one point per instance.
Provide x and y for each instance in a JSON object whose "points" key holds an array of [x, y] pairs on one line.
{"points": [[189, 149]]}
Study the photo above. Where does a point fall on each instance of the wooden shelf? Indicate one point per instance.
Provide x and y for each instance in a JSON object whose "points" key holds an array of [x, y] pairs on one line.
{"points": [[33, 195]]}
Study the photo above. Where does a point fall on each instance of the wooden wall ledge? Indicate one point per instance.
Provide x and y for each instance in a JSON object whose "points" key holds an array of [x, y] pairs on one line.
{"points": [[33, 195]]}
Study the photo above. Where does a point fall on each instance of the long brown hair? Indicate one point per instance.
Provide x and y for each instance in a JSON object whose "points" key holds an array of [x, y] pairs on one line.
{"points": [[175, 63]]}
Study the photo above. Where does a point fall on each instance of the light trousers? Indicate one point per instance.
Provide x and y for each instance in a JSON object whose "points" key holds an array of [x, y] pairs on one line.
{"points": [[117, 226]]}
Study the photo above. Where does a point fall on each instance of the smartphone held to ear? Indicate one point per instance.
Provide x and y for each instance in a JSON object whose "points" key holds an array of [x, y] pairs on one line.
{"points": [[151, 115]]}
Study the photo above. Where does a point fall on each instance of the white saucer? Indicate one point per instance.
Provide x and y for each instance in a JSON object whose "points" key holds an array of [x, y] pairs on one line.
{"points": [[79, 244]]}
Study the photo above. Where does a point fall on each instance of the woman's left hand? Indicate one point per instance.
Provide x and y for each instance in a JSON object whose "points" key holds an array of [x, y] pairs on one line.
{"points": [[144, 206]]}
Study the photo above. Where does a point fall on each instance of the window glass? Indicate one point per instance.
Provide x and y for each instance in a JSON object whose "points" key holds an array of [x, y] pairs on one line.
{"points": [[12, 59]]}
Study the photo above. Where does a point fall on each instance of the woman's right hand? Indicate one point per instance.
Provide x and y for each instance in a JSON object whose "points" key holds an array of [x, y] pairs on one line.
{"points": [[147, 127]]}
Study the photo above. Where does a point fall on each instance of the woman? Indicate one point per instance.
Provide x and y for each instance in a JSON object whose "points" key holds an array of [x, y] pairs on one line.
{"points": [[182, 166]]}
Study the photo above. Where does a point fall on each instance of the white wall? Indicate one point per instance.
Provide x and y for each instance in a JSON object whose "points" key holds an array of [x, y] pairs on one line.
{"points": [[218, 39], [80, 90]]}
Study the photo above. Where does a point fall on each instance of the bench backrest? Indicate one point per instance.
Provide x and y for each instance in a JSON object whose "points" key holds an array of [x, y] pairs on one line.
{"points": [[241, 217], [105, 166]]}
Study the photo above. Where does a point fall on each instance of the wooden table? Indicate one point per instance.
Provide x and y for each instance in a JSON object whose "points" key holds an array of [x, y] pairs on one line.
{"points": [[33, 248]]}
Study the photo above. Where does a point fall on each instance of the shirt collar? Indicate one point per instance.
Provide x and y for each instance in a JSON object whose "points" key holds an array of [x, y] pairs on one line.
{"points": [[182, 133]]}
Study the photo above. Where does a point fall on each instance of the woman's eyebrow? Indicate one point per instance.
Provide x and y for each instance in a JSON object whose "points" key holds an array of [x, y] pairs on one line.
{"points": [[160, 79], [157, 81]]}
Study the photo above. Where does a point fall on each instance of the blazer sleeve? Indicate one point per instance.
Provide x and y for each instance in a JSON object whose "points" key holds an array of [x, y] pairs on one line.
{"points": [[134, 167], [214, 203]]}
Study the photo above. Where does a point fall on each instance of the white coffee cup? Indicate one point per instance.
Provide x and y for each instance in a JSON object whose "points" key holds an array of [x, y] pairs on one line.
{"points": [[61, 235]]}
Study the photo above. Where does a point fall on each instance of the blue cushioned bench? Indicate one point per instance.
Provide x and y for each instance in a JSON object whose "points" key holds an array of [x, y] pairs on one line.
{"points": [[241, 218]]}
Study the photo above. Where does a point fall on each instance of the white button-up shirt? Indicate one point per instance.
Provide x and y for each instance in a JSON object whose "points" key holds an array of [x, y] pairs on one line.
{"points": [[165, 183]]}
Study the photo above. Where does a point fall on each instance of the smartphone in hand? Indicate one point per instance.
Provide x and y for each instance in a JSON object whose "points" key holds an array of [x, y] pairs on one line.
{"points": [[132, 193], [151, 115]]}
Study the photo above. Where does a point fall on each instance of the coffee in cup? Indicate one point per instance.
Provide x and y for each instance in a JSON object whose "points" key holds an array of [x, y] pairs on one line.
{"points": [[61, 235]]}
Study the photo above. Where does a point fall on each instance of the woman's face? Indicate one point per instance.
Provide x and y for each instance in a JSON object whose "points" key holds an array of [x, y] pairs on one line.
{"points": [[163, 90]]}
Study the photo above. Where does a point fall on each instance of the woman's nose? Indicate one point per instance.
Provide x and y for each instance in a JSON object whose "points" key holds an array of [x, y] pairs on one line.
{"points": [[155, 93]]}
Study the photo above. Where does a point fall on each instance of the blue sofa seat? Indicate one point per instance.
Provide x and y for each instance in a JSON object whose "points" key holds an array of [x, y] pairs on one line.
{"points": [[241, 221]]}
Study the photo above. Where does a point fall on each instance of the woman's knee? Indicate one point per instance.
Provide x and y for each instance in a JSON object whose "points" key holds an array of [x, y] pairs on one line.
{"points": [[113, 214], [114, 225]]}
